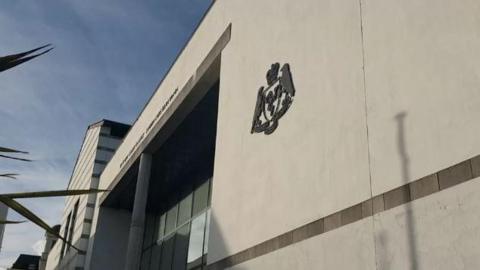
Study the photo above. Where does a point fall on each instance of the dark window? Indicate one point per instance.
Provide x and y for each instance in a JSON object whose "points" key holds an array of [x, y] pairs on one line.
{"points": [[181, 248], [161, 227], [171, 222], [156, 257], [195, 248], [200, 198], [72, 226], [167, 253], [185, 209], [65, 235], [149, 231], [145, 262]]}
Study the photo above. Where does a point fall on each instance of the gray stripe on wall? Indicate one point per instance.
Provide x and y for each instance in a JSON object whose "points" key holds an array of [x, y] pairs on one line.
{"points": [[436, 182]]}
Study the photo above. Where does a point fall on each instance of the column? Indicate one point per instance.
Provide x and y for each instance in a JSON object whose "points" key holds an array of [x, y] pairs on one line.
{"points": [[135, 237]]}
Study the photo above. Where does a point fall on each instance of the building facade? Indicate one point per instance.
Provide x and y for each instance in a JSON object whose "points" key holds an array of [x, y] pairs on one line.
{"points": [[100, 142], [50, 241], [3, 216], [310, 134], [26, 262]]}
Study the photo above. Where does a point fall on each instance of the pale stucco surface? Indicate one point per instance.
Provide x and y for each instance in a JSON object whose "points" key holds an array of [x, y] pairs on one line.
{"points": [[281, 181], [422, 59], [444, 233]]}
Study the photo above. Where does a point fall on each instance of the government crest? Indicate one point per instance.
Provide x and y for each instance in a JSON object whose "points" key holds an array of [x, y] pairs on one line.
{"points": [[274, 100]]}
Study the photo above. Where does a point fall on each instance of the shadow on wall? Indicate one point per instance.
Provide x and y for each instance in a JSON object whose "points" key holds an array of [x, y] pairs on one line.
{"points": [[385, 254], [405, 163], [218, 242]]}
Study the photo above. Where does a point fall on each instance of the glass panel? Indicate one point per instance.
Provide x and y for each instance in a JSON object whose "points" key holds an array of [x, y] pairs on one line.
{"points": [[156, 256], [161, 227], [209, 191], [207, 232], [181, 248], [185, 209], [167, 253], [196, 241], [149, 230], [200, 198], [171, 220], [72, 225], [146, 259]]}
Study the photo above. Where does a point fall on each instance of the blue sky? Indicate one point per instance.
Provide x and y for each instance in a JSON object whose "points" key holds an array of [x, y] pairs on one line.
{"points": [[109, 56]]}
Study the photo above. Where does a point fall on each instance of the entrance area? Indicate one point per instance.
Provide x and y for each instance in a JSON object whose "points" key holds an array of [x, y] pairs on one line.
{"points": [[176, 227]]}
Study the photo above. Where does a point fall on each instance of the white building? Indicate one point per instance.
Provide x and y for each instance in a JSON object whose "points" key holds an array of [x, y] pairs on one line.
{"points": [[308, 134], [100, 142], [50, 241]]}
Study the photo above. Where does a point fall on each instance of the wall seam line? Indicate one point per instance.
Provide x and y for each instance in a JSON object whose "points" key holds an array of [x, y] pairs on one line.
{"points": [[367, 129]]}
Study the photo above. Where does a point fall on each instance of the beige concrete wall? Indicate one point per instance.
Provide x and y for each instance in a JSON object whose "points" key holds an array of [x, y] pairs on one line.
{"points": [[298, 174], [444, 233], [422, 59]]}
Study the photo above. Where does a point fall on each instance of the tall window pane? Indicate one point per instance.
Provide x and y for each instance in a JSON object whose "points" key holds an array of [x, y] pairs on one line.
{"points": [[149, 231], [185, 209], [156, 257], [145, 262], [181, 248], [171, 220], [207, 232], [65, 235], [161, 227], [200, 198], [195, 247], [167, 253], [72, 225]]}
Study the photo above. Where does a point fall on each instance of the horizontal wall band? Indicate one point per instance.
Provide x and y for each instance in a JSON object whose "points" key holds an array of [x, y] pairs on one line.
{"points": [[454, 175]]}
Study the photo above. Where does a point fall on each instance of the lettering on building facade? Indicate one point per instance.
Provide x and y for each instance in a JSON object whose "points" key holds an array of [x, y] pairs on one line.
{"points": [[144, 134], [274, 100]]}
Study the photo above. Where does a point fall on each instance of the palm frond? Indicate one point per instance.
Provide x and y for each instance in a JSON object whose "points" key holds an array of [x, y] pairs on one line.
{"points": [[9, 175], [11, 150], [16, 158], [51, 193], [10, 61], [2, 222], [20, 209]]}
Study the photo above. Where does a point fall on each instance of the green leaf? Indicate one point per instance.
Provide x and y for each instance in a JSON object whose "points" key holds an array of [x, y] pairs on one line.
{"points": [[2, 222], [20, 209], [13, 60], [51, 193], [13, 57], [15, 158], [9, 175], [10, 150]]}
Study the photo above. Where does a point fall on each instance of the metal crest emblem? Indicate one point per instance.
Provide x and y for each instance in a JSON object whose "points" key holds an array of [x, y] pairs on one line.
{"points": [[274, 100]]}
